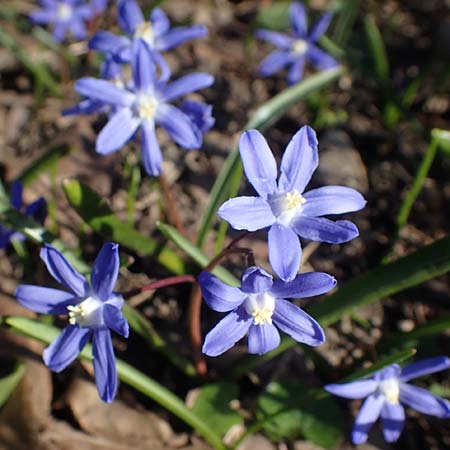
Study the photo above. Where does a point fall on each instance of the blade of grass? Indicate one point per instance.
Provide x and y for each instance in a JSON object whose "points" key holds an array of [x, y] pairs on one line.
{"points": [[9, 383], [266, 114], [377, 49], [129, 375], [343, 26], [375, 285]]}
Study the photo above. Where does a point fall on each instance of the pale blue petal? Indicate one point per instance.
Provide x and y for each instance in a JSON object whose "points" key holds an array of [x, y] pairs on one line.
{"points": [[295, 72], [299, 161], [319, 58], [115, 320], [285, 251], [179, 35], [353, 390], [278, 39], [160, 21], [219, 296], [129, 15], [255, 280], [150, 151], [142, 67], [107, 42], [263, 338], [320, 27], [303, 285], [105, 91], [392, 421], [297, 324], [274, 62], [423, 401], [105, 270], [44, 300], [298, 19], [367, 416], [425, 367], [247, 213], [185, 85]]}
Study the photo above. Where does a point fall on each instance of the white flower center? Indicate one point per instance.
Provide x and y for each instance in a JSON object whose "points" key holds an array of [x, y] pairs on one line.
{"points": [[299, 46], [144, 31], [261, 307], [390, 388], [286, 205], [146, 106], [87, 313], [64, 11]]}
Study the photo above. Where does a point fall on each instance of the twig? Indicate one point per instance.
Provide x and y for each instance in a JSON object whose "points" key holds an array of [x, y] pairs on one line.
{"points": [[170, 281]]}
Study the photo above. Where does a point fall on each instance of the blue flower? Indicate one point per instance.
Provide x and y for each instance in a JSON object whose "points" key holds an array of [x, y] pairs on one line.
{"points": [[386, 390], [93, 310], [37, 210], [284, 207], [293, 51], [64, 16], [144, 104], [259, 307], [155, 33]]}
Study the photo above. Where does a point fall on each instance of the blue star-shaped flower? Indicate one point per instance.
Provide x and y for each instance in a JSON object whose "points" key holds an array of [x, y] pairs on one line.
{"points": [[294, 50], [93, 311], [259, 308], [386, 390], [284, 207]]}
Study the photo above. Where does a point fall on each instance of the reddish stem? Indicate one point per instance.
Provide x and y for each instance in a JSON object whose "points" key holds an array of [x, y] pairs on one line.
{"points": [[170, 281]]}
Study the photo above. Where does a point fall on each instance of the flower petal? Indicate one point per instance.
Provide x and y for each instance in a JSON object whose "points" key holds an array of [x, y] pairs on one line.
{"points": [[353, 390], [255, 280], [332, 200], [187, 84], [199, 113], [160, 21], [423, 401], [104, 365], [319, 58], [285, 251], [227, 332], [263, 338], [298, 19], [62, 271], [274, 62], [107, 42], [105, 270], [178, 35], [297, 323], [105, 91], [16, 195], [259, 163], [303, 285], [424, 367], [320, 27], [392, 421], [179, 126], [37, 210], [115, 320], [299, 161], [151, 153], [119, 129], [44, 300], [59, 31], [323, 230], [43, 16], [247, 213], [129, 15], [219, 296], [295, 72], [368, 414], [66, 347], [142, 67], [278, 39], [78, 29]]}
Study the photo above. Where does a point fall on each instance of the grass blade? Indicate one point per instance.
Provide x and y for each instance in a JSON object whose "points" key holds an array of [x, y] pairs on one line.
{"points": [[9, 383]]}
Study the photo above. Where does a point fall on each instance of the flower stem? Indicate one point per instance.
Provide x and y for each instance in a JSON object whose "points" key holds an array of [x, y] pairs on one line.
{"points": [[158, 284]]}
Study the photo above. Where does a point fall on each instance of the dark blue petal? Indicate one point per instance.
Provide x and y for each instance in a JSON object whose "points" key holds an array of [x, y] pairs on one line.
{"points": [[247, 213], [179, 126], [16, 195], [178, 35], [387, 373], [105, 91], [299, 161], [255, 280], [274, 62], [298, 19], [367, 416], [185, 85], [66, 347], [219, 296], [320, 27], [107, 42], [37, 210], [303, 285], [259, 163], [227, 332], [62, 271], [324, 230], [105, 270], [104, 365], [392, 421], [150, 150], [353, 390], [87, 106], [423, 401], [199, 113], [263, 338], [115, 320], [278, 39], [285, 251], [120, 128], [129, 15], [297, 324], [44, 300], [319, 58], [424, 367]]}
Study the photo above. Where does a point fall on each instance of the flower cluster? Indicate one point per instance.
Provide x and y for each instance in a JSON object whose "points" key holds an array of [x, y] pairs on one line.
{"points": [[294, 50]]}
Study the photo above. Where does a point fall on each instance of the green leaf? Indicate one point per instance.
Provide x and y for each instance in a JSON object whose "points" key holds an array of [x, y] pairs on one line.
{"points": [[385, 280], [318, 420], [128, 375], [443, 138], [213, 406], [97, 214], [195, 253], [9, 383], [266, 114], [377, 49], [345, 21], [274, 16]]}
